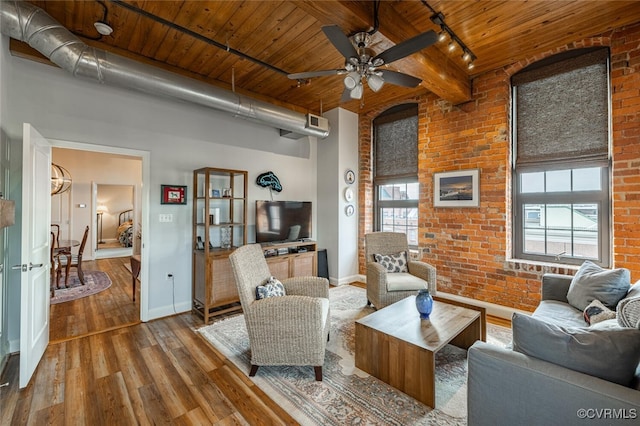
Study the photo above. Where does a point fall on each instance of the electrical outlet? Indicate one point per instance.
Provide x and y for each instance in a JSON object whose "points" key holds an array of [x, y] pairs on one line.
{"points": [[169, 275]]}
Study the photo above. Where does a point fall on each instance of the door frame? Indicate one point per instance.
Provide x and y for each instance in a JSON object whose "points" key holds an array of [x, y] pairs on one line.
{"points": [[144, 206]]}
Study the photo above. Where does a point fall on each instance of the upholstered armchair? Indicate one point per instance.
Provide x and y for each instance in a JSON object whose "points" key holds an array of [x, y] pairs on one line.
{"points": [[283, 330], [384, 287]]}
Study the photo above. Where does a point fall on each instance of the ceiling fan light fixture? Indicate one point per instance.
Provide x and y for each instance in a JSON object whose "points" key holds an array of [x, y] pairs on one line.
{"points": [[375, 82], [352, 80], [356, 92]]}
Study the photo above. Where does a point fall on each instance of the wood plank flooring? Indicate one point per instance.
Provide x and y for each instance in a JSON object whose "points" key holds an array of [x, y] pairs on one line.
{"points": [[107, 310], [160, 372]]}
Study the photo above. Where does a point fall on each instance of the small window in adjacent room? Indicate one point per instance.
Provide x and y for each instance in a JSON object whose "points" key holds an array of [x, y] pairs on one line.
{"points": [[561, 196], [397, 191]]}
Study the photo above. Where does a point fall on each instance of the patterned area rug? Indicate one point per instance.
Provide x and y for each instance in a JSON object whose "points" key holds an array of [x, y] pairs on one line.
{"points": [[348, 395], [95, 282]]}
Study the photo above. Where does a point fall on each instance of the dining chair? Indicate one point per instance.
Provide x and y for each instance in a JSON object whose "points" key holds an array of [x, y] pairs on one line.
{"points": [[54, 265], [55, 229], [69, 260]]}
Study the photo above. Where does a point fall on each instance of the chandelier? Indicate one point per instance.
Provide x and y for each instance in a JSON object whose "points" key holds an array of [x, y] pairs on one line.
{"points": [[60, 179]]}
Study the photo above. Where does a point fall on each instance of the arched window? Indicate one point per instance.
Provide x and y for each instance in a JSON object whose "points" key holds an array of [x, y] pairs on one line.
{"points": [[395, 171], [561, 158]]}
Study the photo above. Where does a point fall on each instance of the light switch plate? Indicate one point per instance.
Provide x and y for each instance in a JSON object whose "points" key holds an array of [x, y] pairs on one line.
{"points": [[168, 217]]}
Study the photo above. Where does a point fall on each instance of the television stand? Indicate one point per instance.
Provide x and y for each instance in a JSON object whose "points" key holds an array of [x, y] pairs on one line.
{"points": [[292, 258]]}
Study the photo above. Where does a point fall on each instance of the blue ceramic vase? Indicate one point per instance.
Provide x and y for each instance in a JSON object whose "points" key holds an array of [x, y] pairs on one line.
{"points": [[424, 303]]}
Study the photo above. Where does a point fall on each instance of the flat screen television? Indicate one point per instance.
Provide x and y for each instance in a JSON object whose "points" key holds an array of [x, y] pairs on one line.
{"points": [[281, 221]]}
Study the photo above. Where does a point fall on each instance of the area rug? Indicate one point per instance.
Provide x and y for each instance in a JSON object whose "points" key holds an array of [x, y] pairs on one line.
{"points": [[348, 395], [95, 282]]}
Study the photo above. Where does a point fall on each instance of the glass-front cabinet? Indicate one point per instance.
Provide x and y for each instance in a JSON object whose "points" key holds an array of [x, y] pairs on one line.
{"points": [[219, 227]]}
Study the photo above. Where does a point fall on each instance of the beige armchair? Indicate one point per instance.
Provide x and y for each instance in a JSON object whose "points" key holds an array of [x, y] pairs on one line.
{"points": [[284, 330], [384, 288]]}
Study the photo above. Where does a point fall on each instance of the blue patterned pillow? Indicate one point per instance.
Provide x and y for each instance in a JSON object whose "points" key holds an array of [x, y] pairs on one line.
{"points": [[272, 288], [396, 262]]}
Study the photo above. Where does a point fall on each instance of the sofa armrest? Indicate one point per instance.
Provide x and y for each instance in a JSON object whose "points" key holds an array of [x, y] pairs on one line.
{"points": [[506, 388], [555, 287]]}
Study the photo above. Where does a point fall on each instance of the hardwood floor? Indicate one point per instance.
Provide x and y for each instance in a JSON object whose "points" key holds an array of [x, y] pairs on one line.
{"points": [[160, 372], [109, 309]]}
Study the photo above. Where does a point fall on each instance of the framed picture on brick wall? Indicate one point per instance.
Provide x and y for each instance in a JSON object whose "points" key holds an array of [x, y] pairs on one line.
{"points": [[457, 189]]}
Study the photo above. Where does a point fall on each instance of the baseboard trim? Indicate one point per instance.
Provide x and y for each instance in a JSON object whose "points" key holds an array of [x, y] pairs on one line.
{"points": [[493, 309]]}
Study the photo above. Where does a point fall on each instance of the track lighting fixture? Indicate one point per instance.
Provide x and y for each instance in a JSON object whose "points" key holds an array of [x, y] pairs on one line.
{"points": [[438, 19]]}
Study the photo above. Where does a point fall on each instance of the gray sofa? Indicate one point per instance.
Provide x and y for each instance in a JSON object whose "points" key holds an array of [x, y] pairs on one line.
{"points": [[506, 387]]}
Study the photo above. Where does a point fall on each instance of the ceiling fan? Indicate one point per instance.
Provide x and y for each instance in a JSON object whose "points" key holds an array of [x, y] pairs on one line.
{"points": [[362, 64]]}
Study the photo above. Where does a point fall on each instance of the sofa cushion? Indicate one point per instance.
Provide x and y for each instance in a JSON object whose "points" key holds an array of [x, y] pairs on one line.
{"points": [[271, 288], [596, 312], [611, 355], [405, 281], [628, 312], [592, 282], [396, 262], [559, 313]]}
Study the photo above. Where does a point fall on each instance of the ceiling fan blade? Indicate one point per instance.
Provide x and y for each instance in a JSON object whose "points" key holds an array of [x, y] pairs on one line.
{"points": [[310, 74], [400, 79], [346, 96], [408, 47], [340, 41]]}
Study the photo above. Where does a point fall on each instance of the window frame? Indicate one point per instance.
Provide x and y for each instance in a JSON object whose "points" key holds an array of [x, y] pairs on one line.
{"points": [[399, 174], [601, 198], [379, 205], [568, 61]]}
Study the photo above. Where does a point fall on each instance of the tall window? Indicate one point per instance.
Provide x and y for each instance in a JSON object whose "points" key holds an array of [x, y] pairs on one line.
{"points": [[561, 173], [396, 171]]}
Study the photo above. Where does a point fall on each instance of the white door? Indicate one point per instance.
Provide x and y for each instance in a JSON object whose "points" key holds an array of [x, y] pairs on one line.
{"points": [[36, 217]]}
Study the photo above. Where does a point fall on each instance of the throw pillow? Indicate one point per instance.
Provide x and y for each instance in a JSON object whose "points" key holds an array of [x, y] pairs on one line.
{"points": [[396, 262], [628, 311], [596, 312], [611, 355], [592, 282], [271, 288]]}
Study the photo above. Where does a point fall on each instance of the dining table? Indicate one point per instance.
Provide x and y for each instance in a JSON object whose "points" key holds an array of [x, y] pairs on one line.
{"points": [[67, 244]]}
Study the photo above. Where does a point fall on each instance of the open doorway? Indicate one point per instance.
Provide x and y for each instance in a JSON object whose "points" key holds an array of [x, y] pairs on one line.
{"points": [[116, 220], [106, 188]]}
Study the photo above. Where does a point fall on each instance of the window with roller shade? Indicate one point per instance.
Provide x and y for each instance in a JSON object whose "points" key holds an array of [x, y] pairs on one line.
{"points": [[397, 192], [561, 203]]}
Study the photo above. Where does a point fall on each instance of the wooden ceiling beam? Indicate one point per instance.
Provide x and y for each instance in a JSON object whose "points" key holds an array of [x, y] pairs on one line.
{"points": [[439, 73]]}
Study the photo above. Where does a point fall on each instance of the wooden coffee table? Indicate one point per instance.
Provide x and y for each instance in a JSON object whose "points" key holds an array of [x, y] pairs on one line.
{"points": [[396, 346]]}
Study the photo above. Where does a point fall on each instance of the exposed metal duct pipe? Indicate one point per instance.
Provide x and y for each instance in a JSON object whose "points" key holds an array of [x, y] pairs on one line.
{"points": [[28, 23]]}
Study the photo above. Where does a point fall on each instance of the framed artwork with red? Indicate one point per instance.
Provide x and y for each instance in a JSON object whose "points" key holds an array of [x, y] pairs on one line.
{"points": [[173, 194]]}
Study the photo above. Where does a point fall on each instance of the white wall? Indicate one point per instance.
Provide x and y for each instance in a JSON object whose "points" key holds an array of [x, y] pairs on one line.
{"points": [[180, 137], [338, 153]]}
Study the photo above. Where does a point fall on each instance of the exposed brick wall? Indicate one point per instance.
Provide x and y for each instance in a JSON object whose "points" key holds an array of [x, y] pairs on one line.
{"points": [[470, 246]]}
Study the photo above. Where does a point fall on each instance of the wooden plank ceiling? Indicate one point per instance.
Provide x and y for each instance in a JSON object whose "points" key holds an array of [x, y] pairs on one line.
{"points": [[287, 37]]}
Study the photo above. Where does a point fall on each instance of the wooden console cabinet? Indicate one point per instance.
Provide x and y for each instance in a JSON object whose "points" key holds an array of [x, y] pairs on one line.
{"points": [[296, 262]]}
